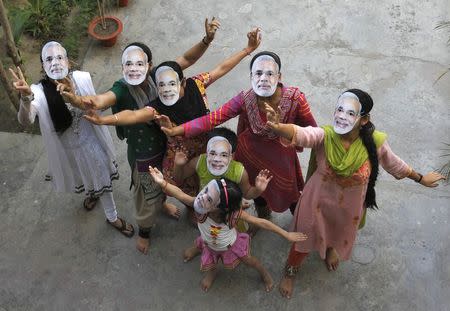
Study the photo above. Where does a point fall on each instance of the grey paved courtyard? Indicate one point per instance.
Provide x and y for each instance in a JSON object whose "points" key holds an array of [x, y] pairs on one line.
{"points": [[56, 256]]}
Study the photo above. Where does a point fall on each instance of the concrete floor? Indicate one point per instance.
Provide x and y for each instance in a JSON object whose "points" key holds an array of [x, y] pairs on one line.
{"points": [[56, 256]]}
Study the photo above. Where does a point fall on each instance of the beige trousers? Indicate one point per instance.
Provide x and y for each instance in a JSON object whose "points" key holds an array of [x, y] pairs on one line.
{"points": [[148, 199]]}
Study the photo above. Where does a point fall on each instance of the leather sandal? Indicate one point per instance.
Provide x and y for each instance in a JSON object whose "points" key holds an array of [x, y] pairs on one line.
{"points": [[123, 228], [90, 202]]}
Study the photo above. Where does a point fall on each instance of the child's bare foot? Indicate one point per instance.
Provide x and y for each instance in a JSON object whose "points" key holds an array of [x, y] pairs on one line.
{"points": [[268, 281], [190, 253], [142, 245], [171, 210], [331, 259], [286, 286], [208, 280]]}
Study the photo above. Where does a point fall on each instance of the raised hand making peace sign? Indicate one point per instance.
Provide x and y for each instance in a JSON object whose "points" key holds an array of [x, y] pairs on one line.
{"points": [[19, 83]]}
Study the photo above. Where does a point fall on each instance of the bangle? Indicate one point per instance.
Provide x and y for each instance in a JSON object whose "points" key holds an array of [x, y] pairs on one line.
{"points": [[27, 98], [165, 186], [420, 178], [246, 51], [204, 41], [117, 118]]}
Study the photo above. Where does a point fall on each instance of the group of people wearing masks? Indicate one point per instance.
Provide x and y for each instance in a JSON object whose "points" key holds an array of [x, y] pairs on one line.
{"points": [[175, 149]]}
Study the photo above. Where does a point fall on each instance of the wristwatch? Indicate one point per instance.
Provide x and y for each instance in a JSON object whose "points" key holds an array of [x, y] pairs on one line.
{"points": [[27, 98]]}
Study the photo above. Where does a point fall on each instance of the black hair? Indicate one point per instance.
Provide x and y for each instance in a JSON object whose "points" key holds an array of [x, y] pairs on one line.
{"points": [[174, 65], [271, 54], [366, 134], [230, 199], [364, 99], [144, 47], [225, 133]]}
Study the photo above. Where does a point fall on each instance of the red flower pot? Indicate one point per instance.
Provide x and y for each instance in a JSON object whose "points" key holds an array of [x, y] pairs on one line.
{"points": [[108, 36]]}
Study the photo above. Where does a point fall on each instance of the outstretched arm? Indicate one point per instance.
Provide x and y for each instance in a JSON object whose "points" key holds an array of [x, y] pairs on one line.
{"points": [[254, 39], [194, 53], [206, 123], [251, 192], [170, 189], [268, 225], [273, 122], [395, 166], [97, 102], [125, 117]]}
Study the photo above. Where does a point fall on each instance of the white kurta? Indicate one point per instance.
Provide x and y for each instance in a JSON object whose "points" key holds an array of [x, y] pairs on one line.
{"points": [[82, 158]]}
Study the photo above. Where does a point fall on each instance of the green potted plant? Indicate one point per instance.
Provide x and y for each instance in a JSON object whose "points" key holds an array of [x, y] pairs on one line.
{"points": [[105, 28]]}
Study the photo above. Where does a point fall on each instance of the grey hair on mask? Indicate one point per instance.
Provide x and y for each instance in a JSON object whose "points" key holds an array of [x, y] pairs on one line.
{"points": [[348, 95], [130, 49], [164, 69], [266, 58], [49, 45]]}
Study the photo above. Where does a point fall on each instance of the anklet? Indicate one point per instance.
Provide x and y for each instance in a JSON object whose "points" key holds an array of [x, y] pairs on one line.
{"points": [[144, 233], [290, 271]]}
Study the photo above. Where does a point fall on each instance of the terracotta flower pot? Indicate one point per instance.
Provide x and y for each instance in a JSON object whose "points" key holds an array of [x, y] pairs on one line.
{"points": [[123, 3], [108, 36]]}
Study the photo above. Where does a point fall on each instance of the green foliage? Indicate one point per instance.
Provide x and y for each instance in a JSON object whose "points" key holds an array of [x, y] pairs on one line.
{"points": [[42, 19], [48, 20], [18, 19]]}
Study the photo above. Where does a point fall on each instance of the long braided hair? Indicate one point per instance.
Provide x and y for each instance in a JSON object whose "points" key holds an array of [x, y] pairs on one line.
{"points": [[366, 134]]}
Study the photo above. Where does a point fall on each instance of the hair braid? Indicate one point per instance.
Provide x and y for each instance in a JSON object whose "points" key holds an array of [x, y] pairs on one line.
{"points": [[366, 133]]}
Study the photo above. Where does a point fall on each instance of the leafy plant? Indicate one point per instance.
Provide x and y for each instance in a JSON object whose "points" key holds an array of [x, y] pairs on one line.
{"points": [[445, 169], [442, 25], [42, 19], [48, 20]]}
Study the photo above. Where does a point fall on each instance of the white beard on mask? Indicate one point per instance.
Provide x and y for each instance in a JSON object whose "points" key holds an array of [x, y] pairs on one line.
{"points": [[135, 78], [214, 171], [341, 129], [264, 92], [57, 74], [170, 101]]}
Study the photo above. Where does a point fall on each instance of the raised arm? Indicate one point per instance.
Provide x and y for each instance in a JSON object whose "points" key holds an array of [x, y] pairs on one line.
{"points": [[308, 137], [268, 225], [304, 115], [254, 39], [286, 131], [251, 192], [182, 168], [27, 113], [194, 53], [124, 117], [170, 189]]}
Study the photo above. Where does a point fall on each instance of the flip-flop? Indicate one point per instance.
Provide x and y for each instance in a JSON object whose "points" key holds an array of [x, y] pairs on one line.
{"points": [[123, 228], [89, 203]]}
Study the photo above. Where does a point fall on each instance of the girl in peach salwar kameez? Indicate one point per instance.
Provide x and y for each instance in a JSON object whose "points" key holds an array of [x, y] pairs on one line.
{"points": [[347, 155]]}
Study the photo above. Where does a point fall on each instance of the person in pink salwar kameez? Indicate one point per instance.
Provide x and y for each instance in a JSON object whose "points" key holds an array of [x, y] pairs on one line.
{"points": [[342, 186]]}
